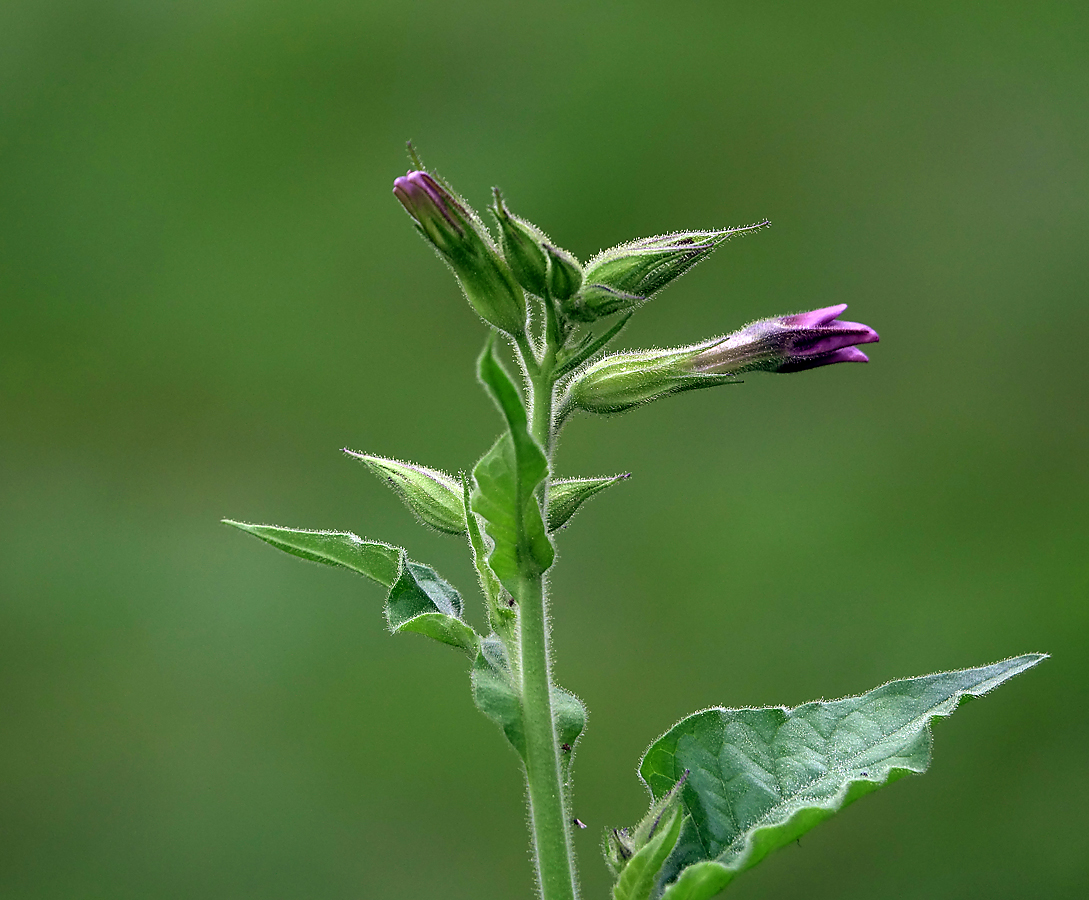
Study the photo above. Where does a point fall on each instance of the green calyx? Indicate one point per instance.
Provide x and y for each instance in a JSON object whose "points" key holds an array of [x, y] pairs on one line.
{"points": [[523, 247]]}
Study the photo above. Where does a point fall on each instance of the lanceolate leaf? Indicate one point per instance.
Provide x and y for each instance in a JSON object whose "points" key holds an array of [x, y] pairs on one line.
{"points": [[501, 616], [376, 560], [506, 481], [434, 497], [760, 778], [566, 495], [419, 599]]}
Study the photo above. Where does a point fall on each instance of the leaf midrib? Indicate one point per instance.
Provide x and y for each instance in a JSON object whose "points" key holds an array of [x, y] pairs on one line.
{"points": [[842, 766]]}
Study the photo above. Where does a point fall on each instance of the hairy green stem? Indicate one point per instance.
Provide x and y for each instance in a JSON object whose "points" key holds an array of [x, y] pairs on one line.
{"points": [[549, 816], [548, 808]]}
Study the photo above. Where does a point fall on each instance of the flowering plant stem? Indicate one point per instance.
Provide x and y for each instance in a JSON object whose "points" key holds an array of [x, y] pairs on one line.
{"points": [[550, 817], [760, 777]]}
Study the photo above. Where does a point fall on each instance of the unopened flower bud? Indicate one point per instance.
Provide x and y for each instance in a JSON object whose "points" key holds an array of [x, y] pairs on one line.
{"points": [[463, 242], [564, 273], [625, 380], [788, 344], [523, 248], [632, 273], [783, 344]]}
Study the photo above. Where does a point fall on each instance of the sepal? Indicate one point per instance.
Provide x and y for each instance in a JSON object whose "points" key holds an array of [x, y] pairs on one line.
{"points": [[523, 247], [622, 844], [630, 274], [432, 496], [564, 273], [623, 381], [566, 495]]}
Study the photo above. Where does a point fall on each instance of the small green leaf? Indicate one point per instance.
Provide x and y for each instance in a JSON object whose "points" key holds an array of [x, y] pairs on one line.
{"points": [[760, 778], [640, 874], [376, 560], [433, 497], [569, 714], [421, 600], [498, 695], [495, 694], [500, 615], [507, 478], [566, 495]]}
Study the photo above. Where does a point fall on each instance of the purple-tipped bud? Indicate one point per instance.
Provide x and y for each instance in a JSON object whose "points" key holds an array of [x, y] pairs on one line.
{"points": [[441, 218], [787, 344], [463, 241], [783, 344]]}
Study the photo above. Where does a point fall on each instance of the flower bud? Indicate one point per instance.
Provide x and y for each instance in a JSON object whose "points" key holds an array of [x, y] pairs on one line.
{"points": [[463, 242], [625, 380], [783, 344], [523, 248], [788, 344], [564, 273], [632, 273]]}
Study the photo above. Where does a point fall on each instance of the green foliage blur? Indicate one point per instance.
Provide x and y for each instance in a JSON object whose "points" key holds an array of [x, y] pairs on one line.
{"points": [[207, 289]]}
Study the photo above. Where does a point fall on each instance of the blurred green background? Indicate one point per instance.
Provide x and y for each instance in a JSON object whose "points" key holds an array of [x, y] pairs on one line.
{"points": [[207, 290]]}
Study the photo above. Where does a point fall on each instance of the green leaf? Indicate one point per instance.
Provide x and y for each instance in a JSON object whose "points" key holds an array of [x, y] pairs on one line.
{"points": [[507, 478], [569, 714], [500, 615], [565, 495], [378, 561], [495, 694], [760, 778], [423, 601], [498, 695], [432, 496], [640, 874], [419, 599]]}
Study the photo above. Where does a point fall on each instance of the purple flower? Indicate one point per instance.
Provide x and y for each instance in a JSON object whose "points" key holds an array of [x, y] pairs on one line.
{"points": [[787, 344], [783, 344], [464, 243]]}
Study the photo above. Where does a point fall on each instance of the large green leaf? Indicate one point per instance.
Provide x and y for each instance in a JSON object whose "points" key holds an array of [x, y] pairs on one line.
{"points": [[419, 599], [566, 495], [378, 561], [432, 496], [507, 478], [760, 778]]}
